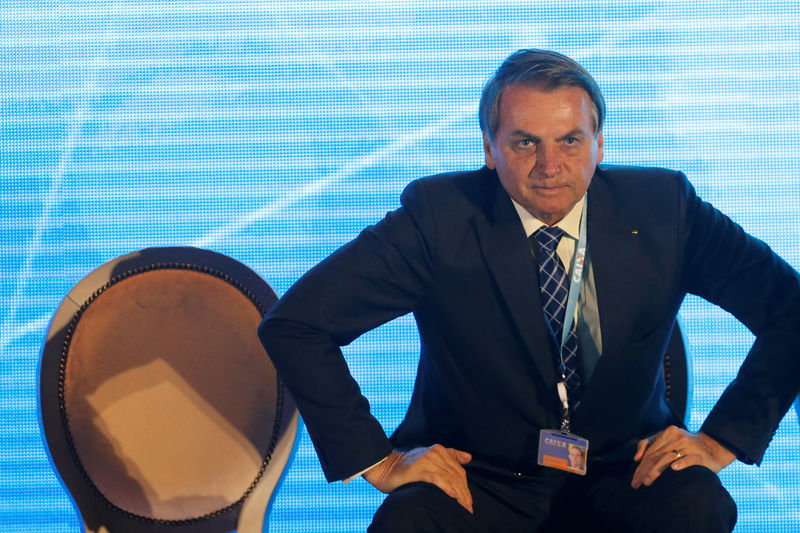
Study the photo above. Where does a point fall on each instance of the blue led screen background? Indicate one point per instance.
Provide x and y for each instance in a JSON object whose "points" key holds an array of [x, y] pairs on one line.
{"points": [[274, 131]]}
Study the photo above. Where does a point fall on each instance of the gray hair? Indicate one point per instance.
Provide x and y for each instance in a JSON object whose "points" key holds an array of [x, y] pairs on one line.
{"points": [[542, 69]]}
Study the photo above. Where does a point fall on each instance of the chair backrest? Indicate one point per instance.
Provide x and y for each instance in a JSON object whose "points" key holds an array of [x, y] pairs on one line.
{"points": [[160, 408], [677, 374]]}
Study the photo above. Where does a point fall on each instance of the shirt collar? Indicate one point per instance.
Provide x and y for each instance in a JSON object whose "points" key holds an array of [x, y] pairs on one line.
{"points": [[571, 223]]}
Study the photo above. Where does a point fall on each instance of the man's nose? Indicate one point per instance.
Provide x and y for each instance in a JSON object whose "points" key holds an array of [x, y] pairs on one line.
{"points": [[547, 160]]}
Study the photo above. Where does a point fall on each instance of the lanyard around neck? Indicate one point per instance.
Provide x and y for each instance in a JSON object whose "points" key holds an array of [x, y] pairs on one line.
{"points": [[576, 279], [578, 258]]}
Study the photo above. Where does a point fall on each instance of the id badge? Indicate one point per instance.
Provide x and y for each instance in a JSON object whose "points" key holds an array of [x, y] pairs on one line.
{"points": [[564, 451]]}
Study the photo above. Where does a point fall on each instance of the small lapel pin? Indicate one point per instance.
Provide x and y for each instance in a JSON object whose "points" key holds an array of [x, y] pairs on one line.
{"points": [[635, 232]]}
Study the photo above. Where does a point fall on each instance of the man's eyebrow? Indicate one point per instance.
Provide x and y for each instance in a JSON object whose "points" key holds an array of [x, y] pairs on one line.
{"points": [[573, 133], [523, 133]]}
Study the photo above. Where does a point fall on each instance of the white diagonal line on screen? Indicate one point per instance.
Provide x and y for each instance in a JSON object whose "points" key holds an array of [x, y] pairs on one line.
{"points": [[352, 168], [21, 330], [51, 198]]}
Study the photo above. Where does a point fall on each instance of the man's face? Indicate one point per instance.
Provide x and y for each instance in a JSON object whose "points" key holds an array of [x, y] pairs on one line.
{"points": [[575, 457], [545, 149]]}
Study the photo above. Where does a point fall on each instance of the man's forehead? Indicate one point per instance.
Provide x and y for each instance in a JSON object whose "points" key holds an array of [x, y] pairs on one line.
{"points": [[519, 95], [520, 101], [534, 88]]}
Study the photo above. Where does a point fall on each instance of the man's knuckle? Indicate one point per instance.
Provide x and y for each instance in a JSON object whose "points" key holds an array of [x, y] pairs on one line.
{"points": [[425, 457]]}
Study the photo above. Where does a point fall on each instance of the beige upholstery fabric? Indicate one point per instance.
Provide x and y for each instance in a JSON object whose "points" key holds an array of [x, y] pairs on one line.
{"points": [[165, 376]]}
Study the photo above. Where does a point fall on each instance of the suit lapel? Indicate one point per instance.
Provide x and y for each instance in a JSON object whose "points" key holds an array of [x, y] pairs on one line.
{"points": [[611, 240], [505, 249]]}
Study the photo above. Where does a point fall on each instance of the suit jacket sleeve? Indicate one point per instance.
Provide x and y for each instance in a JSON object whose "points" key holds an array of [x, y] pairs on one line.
{"points": [[743, 276], [378, 276]]}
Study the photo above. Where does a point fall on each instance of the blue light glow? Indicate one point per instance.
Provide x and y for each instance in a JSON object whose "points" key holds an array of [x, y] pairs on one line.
{"points": [[273, 131]]}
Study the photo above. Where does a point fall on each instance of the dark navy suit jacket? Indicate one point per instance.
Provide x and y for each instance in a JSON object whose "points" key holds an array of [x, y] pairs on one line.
{"points": [[456, 255]]}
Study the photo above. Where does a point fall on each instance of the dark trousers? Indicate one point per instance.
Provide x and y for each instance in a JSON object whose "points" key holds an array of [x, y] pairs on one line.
{"points": [[692, 500]]}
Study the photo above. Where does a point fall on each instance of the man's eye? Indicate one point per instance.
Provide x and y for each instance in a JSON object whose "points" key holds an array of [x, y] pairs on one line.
{"points": [[571, 140], [525, 143]]}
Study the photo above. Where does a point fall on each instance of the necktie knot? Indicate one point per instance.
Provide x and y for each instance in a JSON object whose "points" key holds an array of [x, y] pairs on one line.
{"points": [[548, 237]]}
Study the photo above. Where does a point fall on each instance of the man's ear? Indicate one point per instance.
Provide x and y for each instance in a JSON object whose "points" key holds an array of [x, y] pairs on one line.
{"points": [[487, 151], [599, 147]]}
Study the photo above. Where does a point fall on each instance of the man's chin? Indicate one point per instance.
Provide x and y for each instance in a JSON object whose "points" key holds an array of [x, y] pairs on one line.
{"points": [[549, 212]]}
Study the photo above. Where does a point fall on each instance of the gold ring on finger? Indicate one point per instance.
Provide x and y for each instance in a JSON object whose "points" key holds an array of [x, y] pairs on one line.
{"points": [[678, 454]]}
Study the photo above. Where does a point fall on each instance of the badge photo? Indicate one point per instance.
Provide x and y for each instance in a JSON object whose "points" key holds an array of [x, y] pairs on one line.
{"points": [[563, 451]]}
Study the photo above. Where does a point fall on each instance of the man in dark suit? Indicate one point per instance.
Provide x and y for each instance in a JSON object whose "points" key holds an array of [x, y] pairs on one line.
{"points": [[465, 254]]}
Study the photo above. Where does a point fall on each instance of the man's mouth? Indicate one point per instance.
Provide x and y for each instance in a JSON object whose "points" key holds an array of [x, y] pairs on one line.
{"points": [[548, 189]]}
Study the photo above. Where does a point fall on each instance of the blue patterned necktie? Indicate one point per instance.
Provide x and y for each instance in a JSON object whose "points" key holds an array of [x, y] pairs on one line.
{"points": [[555, 289]]}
